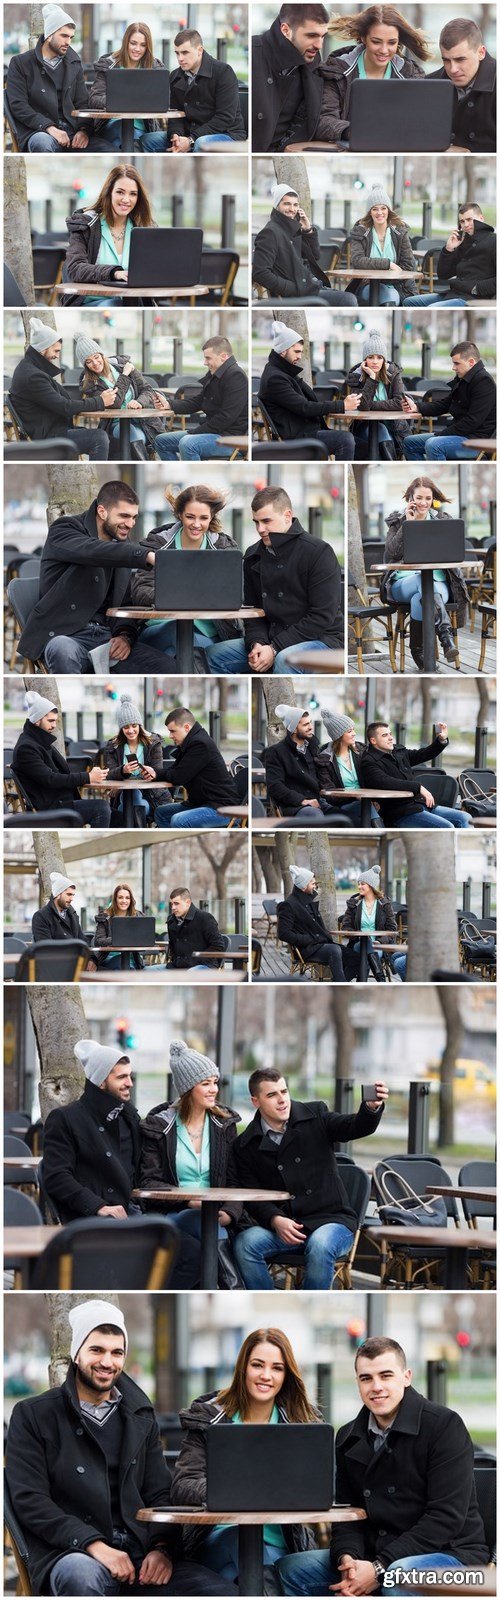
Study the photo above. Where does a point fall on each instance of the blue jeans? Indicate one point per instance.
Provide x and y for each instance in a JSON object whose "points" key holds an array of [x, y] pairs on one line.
{"points": [[437, 447], [179, 814], [189, 1221], [439, 817], [433, 300], [219, 1551], [353, 810], [163, 635], [312, 1572], [79, 1574], [253, 1247], [398, 964], [230, 656], [191, 447], [95, 812], [136, 434], [209, 141], [387, 296], [408, 590], [361, 435], [147, 141]]}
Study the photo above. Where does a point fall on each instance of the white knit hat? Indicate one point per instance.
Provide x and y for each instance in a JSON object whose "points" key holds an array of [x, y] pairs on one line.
{"points": [[96, 1059], [374, 344], [41, 336], [54, 18], [94, 1314], [290, 715], [335, 723], [37, 706], [85, 347], [377, 196], [301, 876], [189, 1067], [279, 192], [59, 883], [371, 877], [126, 712], [284, 337]]}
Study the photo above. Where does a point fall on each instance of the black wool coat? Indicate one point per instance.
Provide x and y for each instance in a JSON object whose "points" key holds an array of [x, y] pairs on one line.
{"points": [[32, 93], [292, 774], [471, 403], [48, 924], [159, 1149], [282, 81], [223, 397], [211, 102], [474, 115], [83, 1168], [197, 931], [78, 573], [198, 765], [286, 260], [290, 401], [42, 405], [394, 552], [58, 1480], [418, 1490], [472, 267], [300, 923], [43, 771], [338, 73], [394, 770], [304, 1164], [296, 580]]}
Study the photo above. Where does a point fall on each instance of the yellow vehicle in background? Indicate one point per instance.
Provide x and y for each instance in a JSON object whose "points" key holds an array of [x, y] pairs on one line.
{"points": [[471, 1078]]}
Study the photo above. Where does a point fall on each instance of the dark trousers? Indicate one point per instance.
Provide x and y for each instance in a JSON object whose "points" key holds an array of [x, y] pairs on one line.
{"points": [[339, 442], [329, 955], [91, 442]]}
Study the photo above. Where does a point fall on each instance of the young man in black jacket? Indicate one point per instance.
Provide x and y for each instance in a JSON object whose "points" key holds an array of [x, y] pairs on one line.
{"points": [[58, 920], [410, 1463], [44, 87], [286, 88], [301, 924], [199, 766], [223, 397], [292, 404], [468, 259], [291, 1145], [293, 779], [190, 929], [387, 765], [44, 773], [85, 568], [42, 406], [207, 91], [81, 1460], [286, 258], [295, 579], [471, 405], [472, 71]]}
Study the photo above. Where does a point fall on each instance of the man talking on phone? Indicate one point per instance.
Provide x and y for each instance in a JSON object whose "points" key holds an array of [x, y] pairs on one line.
{"points": [[468, 261], [287, 256]]}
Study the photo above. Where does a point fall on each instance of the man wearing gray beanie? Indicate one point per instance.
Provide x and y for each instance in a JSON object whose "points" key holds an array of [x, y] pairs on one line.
{"points": [[291, 402], [287, 256], [43, 405], [91, 1146], [46, 85], [58, 920], [294, 783], [44, 773], [301, 925], [81, 1459]]}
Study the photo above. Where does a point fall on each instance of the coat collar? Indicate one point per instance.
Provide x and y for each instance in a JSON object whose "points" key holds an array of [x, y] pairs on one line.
{"points": [[286, 58], [37, 359], [134, 1398], [292, 371], [46, 740], [100, 1102], [289, 225], [299, 1112], [407, 1421]]}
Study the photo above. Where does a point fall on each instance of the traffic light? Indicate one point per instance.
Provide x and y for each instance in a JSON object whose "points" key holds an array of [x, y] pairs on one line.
{"points": [[358, 325], [358, 183], [124, 1037], [356, 1331], [463, 1339]]}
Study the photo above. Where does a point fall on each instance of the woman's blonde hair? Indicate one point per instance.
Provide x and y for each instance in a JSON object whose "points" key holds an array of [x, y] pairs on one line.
{"points": [[122, 57], [293, 1393], [360, 23], [215, 499], [141, 215]]}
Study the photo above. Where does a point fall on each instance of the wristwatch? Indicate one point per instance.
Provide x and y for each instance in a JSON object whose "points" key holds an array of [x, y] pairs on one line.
{"points": [[379, 1570]]}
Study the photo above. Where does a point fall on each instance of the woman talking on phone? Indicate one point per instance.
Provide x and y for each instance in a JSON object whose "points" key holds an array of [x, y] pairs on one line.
{"points": [[287, 256], [266, 1387], [424, 502]]}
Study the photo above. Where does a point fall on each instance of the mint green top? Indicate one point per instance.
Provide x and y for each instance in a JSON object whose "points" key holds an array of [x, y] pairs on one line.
{"points": [[208, 628], [380, 392], [348, 773], [362, 73], [439, 575], [108, 254], [272, 1532], [386, 250], [110, 383], [137, 755], [193, 1171], [368, 916]]}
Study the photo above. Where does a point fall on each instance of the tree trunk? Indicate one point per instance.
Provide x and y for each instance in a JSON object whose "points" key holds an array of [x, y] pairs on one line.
{"points": [[284, 854], [219, 869], [293, 170], [432, 911], [356, 558], [17, 235], [49, 688], [320, 856], [269, 867], [340, 1012], [48, 318], [277, 691], [36, 25], [483, 709], [298, 321], [70, 492], [449, 1000], [49, 859], [425, 695], [223, 705], [58, 1019], [58, 1306]]}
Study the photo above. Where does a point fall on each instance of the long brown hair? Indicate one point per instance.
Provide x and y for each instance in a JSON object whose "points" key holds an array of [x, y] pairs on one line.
{"points": [[143, 737], [360, 23], [90, 379], [112, 908], [122, 57], [184, 1106], [293, 1394], [215, 499], [141, 216], [393, 219], [383, 375], [427, 483]]}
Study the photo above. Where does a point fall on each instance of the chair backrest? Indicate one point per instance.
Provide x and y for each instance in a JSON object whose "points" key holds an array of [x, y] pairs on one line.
{"points": [[290, 450], [418, 1173], [12, 946], [20, 430], [47, 263], [218, 269], [237, 941], [484, 1175], [22, 594], [441, 785], [41, 450], [258, 808], [240, 774], [12, 295], [53, 961], [63, 818], [20, 1211], [48, 1206], [484, 776], [17, 1540], [101, 1253], [12, 1146], [485, 1479], [256, 955], [270, 906], [15, 1119], [358, 1188], [267, 418], [31, 568]]}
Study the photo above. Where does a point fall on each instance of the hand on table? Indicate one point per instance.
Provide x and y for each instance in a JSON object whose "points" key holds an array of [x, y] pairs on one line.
{"points": [[409, 405], [396, 271], [118, 1212], [119, 648], [156, 1568], [352, 402], [134, 405], [121, 276], [91, 966], [98, 774], [117, 1562], [148, 772], [159, 401], [288, 1231], [428, 797]]}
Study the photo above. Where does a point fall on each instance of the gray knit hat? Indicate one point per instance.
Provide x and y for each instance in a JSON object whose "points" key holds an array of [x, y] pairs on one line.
{"points": [[374, 344], [98, 1060], [126, 712], [94, 1314], [54, 18], [189, 1067], [284, 337], [279, 192], [372, 877], [301, 876], [37, 706], [335, 723], [377, 196], [86, 347], [41, 336], [290, 715], [59, 883]]}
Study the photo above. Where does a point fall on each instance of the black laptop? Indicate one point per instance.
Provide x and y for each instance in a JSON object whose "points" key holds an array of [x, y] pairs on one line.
{"points": [[165, 258], [146, 92], [133, 933], [400, 114], [197, 580], [442, 542], [266, 1468]]}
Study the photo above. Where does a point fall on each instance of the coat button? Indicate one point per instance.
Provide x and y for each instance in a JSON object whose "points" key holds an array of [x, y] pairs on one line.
{"points": [[78, 1431], [308, 1191], [75, 1542], [110, 1191], [260, 116], [367, 1493], [72, 608], [108, 1153], [280, 594], [269, 80], [80, 1469], [51, 636], [391, 1488], [280, 1166], [297, 1160], [96, 578], [101, 1127]]}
